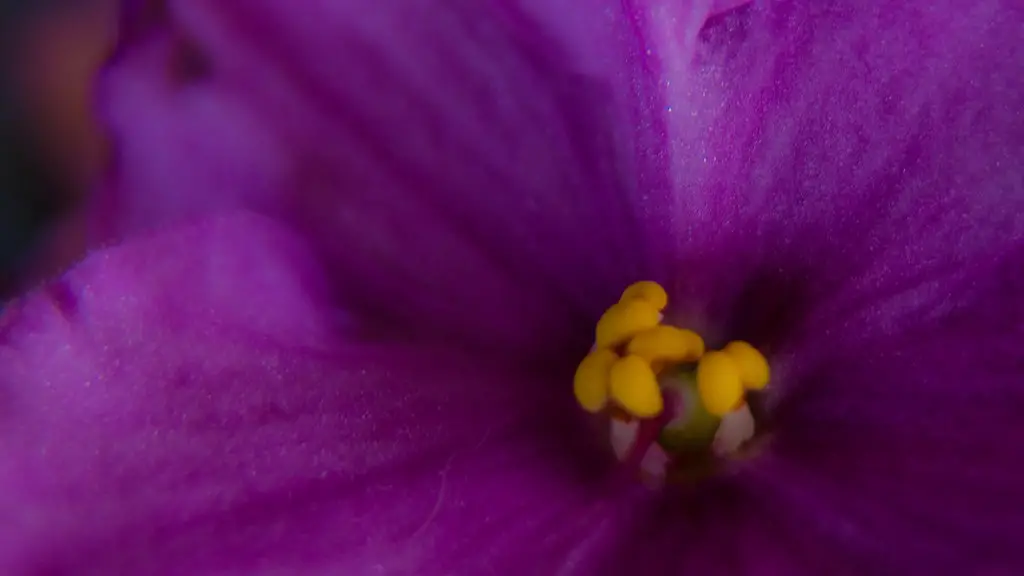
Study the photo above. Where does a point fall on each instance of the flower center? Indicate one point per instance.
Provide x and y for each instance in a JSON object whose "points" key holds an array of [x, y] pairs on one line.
{"points": [[671, 402]]}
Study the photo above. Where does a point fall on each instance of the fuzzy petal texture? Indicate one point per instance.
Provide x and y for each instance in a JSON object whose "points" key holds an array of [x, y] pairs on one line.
{"points": [[851, 199], [831, 159], [183, 405], [458, 158]]}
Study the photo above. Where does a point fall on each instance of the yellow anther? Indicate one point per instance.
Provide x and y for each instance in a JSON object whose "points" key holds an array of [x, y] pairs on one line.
{"points": [[753, 367], [625, 320], [634, 387], [667, 344], [718, 382], [649, 291], [590, 385]]}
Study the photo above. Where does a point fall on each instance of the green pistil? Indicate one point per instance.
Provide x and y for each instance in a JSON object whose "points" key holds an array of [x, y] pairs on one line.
{"points": [[693, 430]]}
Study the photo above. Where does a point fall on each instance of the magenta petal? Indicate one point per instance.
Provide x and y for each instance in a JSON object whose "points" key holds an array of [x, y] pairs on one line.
{"points": [[453, 157], [854, 203], [827, 157], [182, 405], [895, 456]]}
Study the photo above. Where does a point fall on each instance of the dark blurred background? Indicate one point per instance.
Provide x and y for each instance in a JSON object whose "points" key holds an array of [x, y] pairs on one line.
{"points": [[50, 146]]}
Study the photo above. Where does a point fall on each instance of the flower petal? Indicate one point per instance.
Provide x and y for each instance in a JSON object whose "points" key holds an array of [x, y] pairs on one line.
{"points": [[898, 457], [182, 404], [854, 202], [829, 157], [915, 439], [618, 40], [450, 156]]}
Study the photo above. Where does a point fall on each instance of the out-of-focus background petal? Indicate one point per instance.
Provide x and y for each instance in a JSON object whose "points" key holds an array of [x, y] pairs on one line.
{"points": [[51, 146], [451, 156]]}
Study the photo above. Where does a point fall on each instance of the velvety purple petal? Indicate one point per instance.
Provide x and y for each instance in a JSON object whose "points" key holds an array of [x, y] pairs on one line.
{"points": [[851, 199], [839, 156], [898, 457], [618, 41], [473, 174], [183, 405]]}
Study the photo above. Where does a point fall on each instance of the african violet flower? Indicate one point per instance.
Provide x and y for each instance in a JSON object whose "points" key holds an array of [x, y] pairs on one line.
{"points": [[356, 251]]}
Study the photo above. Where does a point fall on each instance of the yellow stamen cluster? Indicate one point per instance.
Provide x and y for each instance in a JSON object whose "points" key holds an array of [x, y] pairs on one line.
{"points": [[632, 347]]}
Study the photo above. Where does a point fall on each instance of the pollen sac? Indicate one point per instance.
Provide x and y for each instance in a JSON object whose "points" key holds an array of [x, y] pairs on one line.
{"points": [[718, 383], [667, 345], [634, 386], [753, 366], [590, 385], [648, 291], [624, 321]]}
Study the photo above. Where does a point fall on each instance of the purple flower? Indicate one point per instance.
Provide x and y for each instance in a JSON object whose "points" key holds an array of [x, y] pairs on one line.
{"points": [[357, 249]]}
